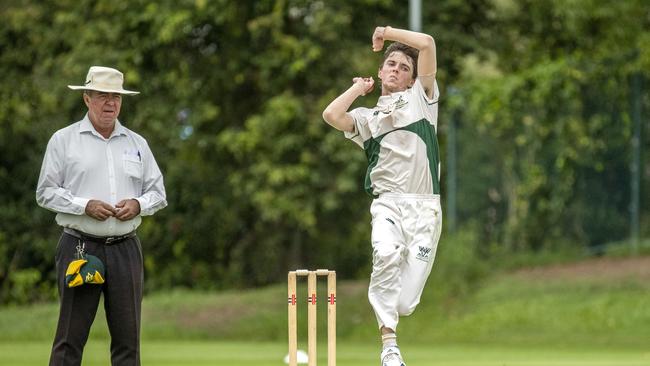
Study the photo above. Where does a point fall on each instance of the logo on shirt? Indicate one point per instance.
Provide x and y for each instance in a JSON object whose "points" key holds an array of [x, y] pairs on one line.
{"points": [[424, 254], [398, 104]]}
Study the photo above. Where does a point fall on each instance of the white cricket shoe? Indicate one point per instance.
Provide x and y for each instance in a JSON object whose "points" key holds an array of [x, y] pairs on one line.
{"points": [[391, 356]]}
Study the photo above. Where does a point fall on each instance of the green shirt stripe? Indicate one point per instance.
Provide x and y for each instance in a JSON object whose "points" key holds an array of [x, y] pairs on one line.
{"points": [[426, 132]]}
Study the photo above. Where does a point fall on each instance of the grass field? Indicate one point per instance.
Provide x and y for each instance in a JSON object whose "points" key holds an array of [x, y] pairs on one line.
{"points": [[595, 312], [201, 353]]}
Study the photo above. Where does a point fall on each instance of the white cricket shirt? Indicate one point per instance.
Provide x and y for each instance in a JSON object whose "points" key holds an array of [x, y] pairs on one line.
{"points": [[400, 141]]}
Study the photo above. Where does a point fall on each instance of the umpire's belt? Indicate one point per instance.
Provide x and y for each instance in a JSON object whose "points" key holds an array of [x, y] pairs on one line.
{"points": [[106, 240]]}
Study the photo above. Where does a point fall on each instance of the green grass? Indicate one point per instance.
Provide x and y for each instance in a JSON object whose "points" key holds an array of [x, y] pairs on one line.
{"points": [[537, 317], [549, 312], [199, 353]]}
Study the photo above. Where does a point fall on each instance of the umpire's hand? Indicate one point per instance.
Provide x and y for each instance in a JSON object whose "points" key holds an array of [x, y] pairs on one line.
{"points": [[127, 209], [100, 210]]}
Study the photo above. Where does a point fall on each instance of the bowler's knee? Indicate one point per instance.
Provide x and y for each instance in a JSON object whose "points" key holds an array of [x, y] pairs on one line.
{"points": [[407, 308]]}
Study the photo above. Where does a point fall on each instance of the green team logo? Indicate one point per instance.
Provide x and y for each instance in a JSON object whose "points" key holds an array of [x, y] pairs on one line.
{"points": [[398, 104]]}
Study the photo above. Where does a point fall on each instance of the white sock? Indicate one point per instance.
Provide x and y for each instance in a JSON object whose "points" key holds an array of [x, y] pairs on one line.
{"points": [[389, 340]]}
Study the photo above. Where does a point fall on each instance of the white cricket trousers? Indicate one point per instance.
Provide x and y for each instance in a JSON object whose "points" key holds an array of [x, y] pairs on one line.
{"points": [[405, 233]]}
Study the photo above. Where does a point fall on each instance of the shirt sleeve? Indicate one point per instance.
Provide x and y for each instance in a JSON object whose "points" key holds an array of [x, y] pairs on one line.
{"points": [[50, 191], [153, 197], [360, 127], [430, 105], [420, 90]]}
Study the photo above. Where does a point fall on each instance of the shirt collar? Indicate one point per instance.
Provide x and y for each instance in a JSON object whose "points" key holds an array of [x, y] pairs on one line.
{"points": [[385, 100], [87, 126]]}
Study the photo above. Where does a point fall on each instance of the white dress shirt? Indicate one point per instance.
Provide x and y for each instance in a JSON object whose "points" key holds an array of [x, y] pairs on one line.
{"points": [[80, 165]]}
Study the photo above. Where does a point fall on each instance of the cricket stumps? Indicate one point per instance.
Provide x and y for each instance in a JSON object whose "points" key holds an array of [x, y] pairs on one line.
{"points": [[312, 277]]}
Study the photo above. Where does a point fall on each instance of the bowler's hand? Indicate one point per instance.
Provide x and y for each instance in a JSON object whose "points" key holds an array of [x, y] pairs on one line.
{"points": [[378, 39], [99, 210], [364, 85], [127, 209]]}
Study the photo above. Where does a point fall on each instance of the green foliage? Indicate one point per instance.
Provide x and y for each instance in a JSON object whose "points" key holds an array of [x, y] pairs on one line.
{"points": [[560, 104], [232, 95]]}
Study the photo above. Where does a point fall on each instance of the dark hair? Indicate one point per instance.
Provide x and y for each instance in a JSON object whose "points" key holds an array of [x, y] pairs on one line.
{"points": [[409, 51]]}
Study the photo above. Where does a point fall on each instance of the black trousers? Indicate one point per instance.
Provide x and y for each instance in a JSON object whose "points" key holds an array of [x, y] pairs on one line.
{"points": [[122, 291]]}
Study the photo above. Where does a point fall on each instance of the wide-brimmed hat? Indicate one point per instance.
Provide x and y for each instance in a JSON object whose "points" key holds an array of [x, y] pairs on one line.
{"points": [[104, 79]]}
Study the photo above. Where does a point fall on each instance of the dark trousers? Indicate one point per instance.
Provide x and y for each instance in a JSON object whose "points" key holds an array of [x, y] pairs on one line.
{"points": [[122, 291]]}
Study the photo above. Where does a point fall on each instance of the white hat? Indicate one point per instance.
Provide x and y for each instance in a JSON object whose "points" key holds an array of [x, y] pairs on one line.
{"points": [[104, 79]]}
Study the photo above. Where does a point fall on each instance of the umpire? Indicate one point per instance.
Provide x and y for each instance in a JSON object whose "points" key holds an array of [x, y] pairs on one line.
{"points": [[100, 178]]}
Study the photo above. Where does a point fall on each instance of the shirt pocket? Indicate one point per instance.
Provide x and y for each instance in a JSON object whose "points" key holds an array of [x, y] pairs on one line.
{"points": [[133, 166]]}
